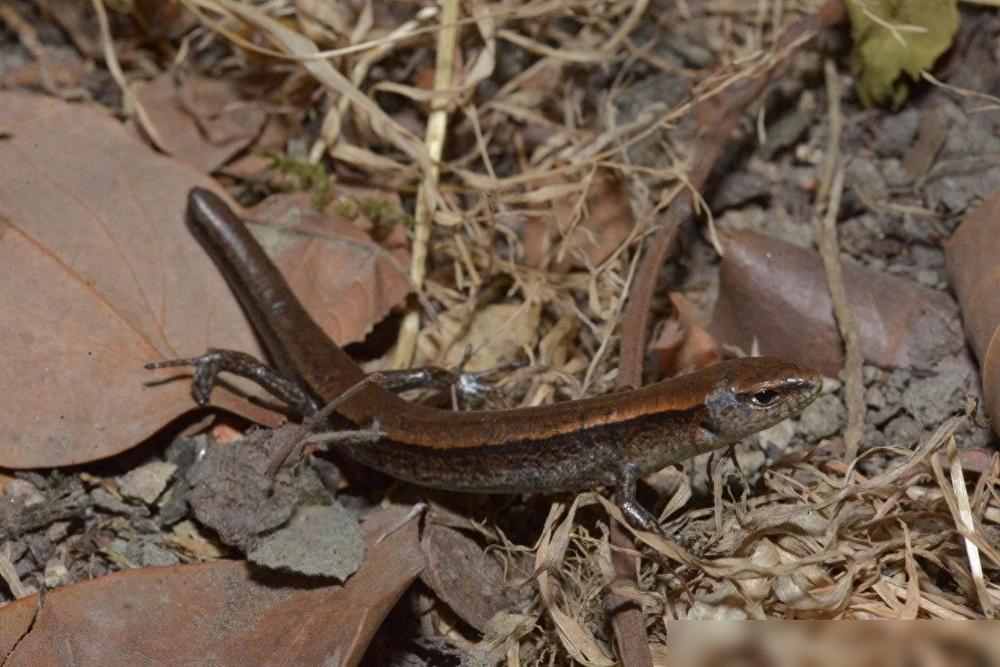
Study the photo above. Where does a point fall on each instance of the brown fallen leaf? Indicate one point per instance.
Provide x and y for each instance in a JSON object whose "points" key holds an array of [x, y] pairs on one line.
{"points": [[684, 345], [199, 120], [466, 578], [160, 19], [346, 281], [775, 294], [78, 23], [346, 210], [100, 276], [257, 159], [972, 258], [220, 613], [97, 277], [15, 619], [574, 231], [33, 74]]}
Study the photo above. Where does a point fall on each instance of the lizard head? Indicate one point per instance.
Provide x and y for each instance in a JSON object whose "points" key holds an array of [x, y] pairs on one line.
{"points": [[755, 393]]}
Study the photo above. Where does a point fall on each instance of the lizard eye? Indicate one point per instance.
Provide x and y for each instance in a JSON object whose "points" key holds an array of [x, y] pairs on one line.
{"points": [[764, 398]]}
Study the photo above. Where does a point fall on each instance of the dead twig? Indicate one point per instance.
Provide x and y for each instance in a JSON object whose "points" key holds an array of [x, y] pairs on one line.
{"points": [[828, 197], [427, 195]]}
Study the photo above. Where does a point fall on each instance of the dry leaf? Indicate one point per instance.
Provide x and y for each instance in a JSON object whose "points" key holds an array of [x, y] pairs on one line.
{"points": [[202, 121], [775, 294], [162, 18], [346, 281], [63, 75], [98, 276], [222, 613], [15, 619], [77, 20], [347, 209], [466, 578], [972, 257], [932, 132], [684, 345], [581, 645], [326, 74], [253, 162], [232, 493], [496, 335], [319, 540], [579, 229]]}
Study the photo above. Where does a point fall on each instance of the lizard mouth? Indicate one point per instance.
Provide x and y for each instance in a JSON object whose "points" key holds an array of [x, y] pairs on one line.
{"points": [[708, 431]]}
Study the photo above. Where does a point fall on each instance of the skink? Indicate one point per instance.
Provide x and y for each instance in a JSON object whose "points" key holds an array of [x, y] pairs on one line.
{"points": [[609, 440]]}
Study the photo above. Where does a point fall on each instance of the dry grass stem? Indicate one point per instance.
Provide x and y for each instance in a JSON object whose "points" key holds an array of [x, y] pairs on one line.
{"points": [[828, 196]]}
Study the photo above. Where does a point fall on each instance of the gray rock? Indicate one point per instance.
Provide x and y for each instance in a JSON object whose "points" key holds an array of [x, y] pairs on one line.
{"points": [[895, 176], [865, 174], [895, 132], [823, 418], [57, 532], [106, 502], [23, 491], [56, 573], [153, 555], [903, 430], [932, 399], [146, 482]]}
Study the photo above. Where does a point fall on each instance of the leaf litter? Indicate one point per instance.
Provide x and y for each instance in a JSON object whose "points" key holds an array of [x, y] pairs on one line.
{"points": [[794, 530], [319, 540]]}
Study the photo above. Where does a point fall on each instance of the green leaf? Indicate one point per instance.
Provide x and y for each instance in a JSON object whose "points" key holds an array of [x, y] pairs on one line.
{"points": [[895, 41]]}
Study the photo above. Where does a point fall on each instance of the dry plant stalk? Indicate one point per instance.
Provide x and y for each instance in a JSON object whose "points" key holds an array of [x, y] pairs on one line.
{"points": [[828, 197]]}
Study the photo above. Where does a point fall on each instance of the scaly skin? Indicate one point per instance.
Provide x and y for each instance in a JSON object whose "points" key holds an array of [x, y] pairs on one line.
{"points": [[605, 440]]}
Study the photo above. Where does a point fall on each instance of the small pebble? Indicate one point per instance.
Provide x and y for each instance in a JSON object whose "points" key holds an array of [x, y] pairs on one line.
{"points": [[57, 532], [18, 489], [146, 482], [823, 418], [903, 430], [56, 573], [153, 555]]}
